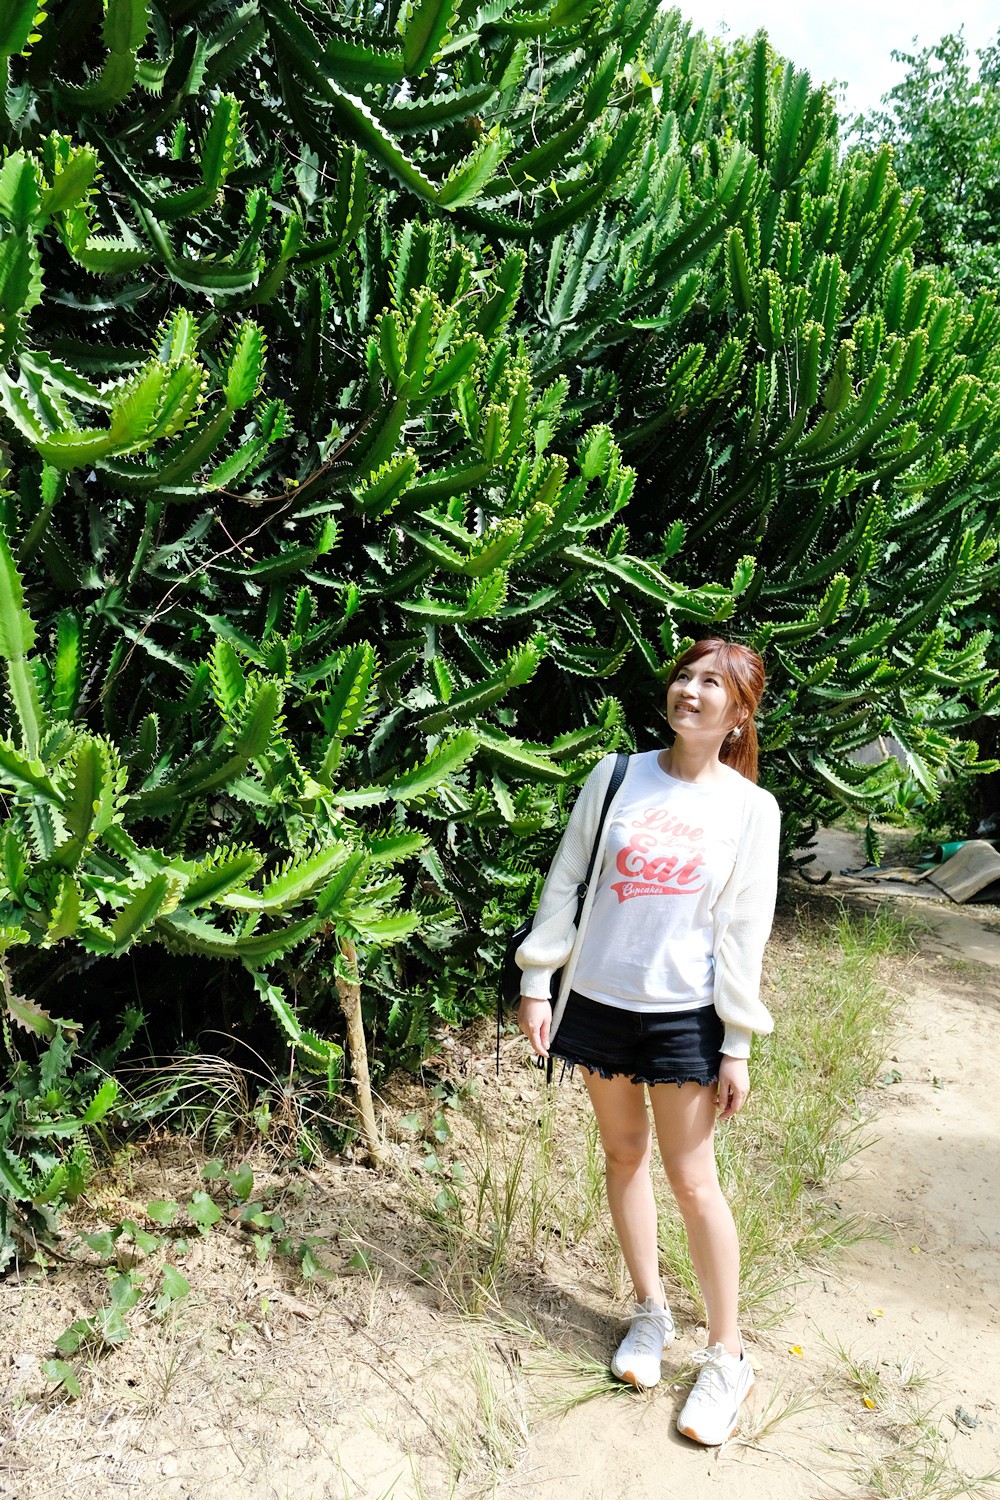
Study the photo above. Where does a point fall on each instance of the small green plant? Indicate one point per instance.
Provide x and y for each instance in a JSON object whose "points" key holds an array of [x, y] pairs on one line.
{"points": [[911, 1456], [89, 1338], [138, 1261], [563, 1379], [494, 1210], [488, 1434], [52, 1105]]}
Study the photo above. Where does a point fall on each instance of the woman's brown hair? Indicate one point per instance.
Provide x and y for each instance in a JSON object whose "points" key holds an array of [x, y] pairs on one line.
{"points": [[742, 671]]}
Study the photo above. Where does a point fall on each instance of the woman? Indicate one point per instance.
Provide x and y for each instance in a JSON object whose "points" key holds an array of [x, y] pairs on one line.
{"points": [[660, 994]]}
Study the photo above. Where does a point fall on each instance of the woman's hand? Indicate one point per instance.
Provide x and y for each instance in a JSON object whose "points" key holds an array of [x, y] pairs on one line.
{"points": [[534, 1017], [734, 1085]]}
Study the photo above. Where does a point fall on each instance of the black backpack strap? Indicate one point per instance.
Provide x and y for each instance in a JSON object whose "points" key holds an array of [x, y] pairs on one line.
{"points": [[617, 777]]}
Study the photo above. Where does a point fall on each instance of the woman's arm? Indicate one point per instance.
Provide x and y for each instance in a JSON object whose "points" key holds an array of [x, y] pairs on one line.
{"points": [[553, 932], [741, 950]]}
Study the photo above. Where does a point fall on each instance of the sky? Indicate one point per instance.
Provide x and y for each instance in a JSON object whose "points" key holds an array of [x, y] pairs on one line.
{"points": [[849, 39]]}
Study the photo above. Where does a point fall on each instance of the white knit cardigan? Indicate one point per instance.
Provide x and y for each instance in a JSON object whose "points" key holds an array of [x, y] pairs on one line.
{"points": [[742, 915]]}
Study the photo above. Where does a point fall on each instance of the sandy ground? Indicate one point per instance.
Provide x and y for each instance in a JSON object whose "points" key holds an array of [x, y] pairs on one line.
{"points": [[921, 1299], [369, 1383]]}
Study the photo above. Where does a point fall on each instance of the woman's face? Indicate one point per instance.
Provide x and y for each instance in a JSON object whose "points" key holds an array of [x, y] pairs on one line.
{"points": [[698, 703]]}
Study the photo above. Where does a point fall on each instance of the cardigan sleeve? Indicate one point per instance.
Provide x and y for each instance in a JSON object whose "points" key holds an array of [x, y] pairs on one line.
{"points": [[553, 931], [740, 952]]}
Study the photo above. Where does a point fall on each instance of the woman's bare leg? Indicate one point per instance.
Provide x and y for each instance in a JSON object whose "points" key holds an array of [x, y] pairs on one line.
{"points": [[622, 1119], [685, 1126]]}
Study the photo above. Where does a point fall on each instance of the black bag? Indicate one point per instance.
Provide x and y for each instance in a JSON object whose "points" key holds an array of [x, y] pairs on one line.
{"points": [[509, 981]]}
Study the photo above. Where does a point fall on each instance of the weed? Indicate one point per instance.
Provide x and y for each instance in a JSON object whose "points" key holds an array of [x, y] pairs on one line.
{"points": [[490, 1214], [914, 1462], [759, 1423], [564, 1378], [490, 1436], [221, 1102]]}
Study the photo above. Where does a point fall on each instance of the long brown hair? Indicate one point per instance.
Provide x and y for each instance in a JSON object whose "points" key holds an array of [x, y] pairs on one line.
{"points": [[742, 671]]}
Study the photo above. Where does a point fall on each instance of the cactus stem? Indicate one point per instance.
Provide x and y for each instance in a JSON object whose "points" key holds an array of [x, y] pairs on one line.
{"points": [[349, 995]]}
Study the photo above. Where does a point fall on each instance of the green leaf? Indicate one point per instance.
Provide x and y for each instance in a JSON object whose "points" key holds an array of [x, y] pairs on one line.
{"points": [[427, 27], [20, 190], [174, 1287], [229, 681], [92, 795], [73, 173], [203, 1212], [243, 367], [162, 1211], [383, 490], [18, 19], [17, 636], [466, 181], [241, 1181], [29, 1015], [65, 910], [294, 885], [138, 914], [103, 1101], [345, 707], [67, 665], [125, 26], [217, 159], [218, 875], [25, 775], [13, 1178], [58, 1370]]}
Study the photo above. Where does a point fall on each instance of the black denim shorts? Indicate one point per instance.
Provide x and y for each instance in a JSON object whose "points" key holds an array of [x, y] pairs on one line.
{"points": [[675, 1046]]}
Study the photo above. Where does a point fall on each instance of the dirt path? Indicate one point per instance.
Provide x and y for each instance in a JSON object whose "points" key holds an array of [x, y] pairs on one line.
{"points": [[920, 1303], [369, 1384]]}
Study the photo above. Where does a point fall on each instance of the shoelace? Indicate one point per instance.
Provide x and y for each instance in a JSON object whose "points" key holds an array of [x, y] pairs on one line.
{"points": [[645, 1336], [712, 1372]]}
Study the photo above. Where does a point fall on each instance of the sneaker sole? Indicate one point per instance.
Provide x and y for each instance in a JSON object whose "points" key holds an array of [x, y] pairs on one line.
{"points": [[689, 1432], [695, 1437], [628, 1378]]}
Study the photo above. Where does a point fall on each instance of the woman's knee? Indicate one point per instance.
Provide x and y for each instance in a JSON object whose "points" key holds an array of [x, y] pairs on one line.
{"points": [[695, 1185], [626, 1151]]}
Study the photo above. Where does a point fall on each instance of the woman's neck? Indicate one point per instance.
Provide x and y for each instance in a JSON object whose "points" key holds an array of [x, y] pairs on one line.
{"points": [[691, 763]]}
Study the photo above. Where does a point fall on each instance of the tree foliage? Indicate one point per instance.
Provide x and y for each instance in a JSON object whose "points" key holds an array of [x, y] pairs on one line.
{"points": [[386, 398], [943, 122]]}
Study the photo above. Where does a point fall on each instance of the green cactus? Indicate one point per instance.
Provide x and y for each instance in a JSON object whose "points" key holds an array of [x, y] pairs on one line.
{"points": [[385, 407]]}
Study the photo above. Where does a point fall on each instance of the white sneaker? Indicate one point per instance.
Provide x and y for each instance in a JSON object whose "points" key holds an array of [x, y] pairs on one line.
{"points": [[711, 1413], [637, 1358]]}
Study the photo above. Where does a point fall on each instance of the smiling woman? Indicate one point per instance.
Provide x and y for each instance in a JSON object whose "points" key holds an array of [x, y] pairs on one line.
{"points": [[715, 680], [660, 993]]}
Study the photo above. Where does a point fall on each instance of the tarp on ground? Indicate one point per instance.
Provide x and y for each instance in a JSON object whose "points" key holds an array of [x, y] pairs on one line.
{"points": [[970, 870]]}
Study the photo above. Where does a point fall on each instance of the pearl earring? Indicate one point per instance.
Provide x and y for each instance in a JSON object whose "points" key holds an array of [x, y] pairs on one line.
{"points": [[736, 733]]}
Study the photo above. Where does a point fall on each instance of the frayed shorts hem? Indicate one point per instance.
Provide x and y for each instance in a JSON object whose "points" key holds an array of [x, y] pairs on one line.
{"points": [[647, 1047], [603, 1072]]}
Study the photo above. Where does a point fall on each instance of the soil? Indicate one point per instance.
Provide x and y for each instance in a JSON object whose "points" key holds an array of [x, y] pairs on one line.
{"points": [[370, 1380]]}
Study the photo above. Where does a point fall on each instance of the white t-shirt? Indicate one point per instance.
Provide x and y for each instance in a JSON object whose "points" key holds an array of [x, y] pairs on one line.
{"points": [[670, 849]]}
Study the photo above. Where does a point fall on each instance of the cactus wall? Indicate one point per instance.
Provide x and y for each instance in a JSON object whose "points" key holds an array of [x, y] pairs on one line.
{"points": [[387, 394]]}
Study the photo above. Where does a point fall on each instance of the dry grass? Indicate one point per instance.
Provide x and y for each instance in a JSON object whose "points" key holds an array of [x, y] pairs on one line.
{"points": [[481, 1265]]}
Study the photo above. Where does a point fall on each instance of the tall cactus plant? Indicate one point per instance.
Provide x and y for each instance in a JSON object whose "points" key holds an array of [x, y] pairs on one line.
{"points": [[385, 398]]}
